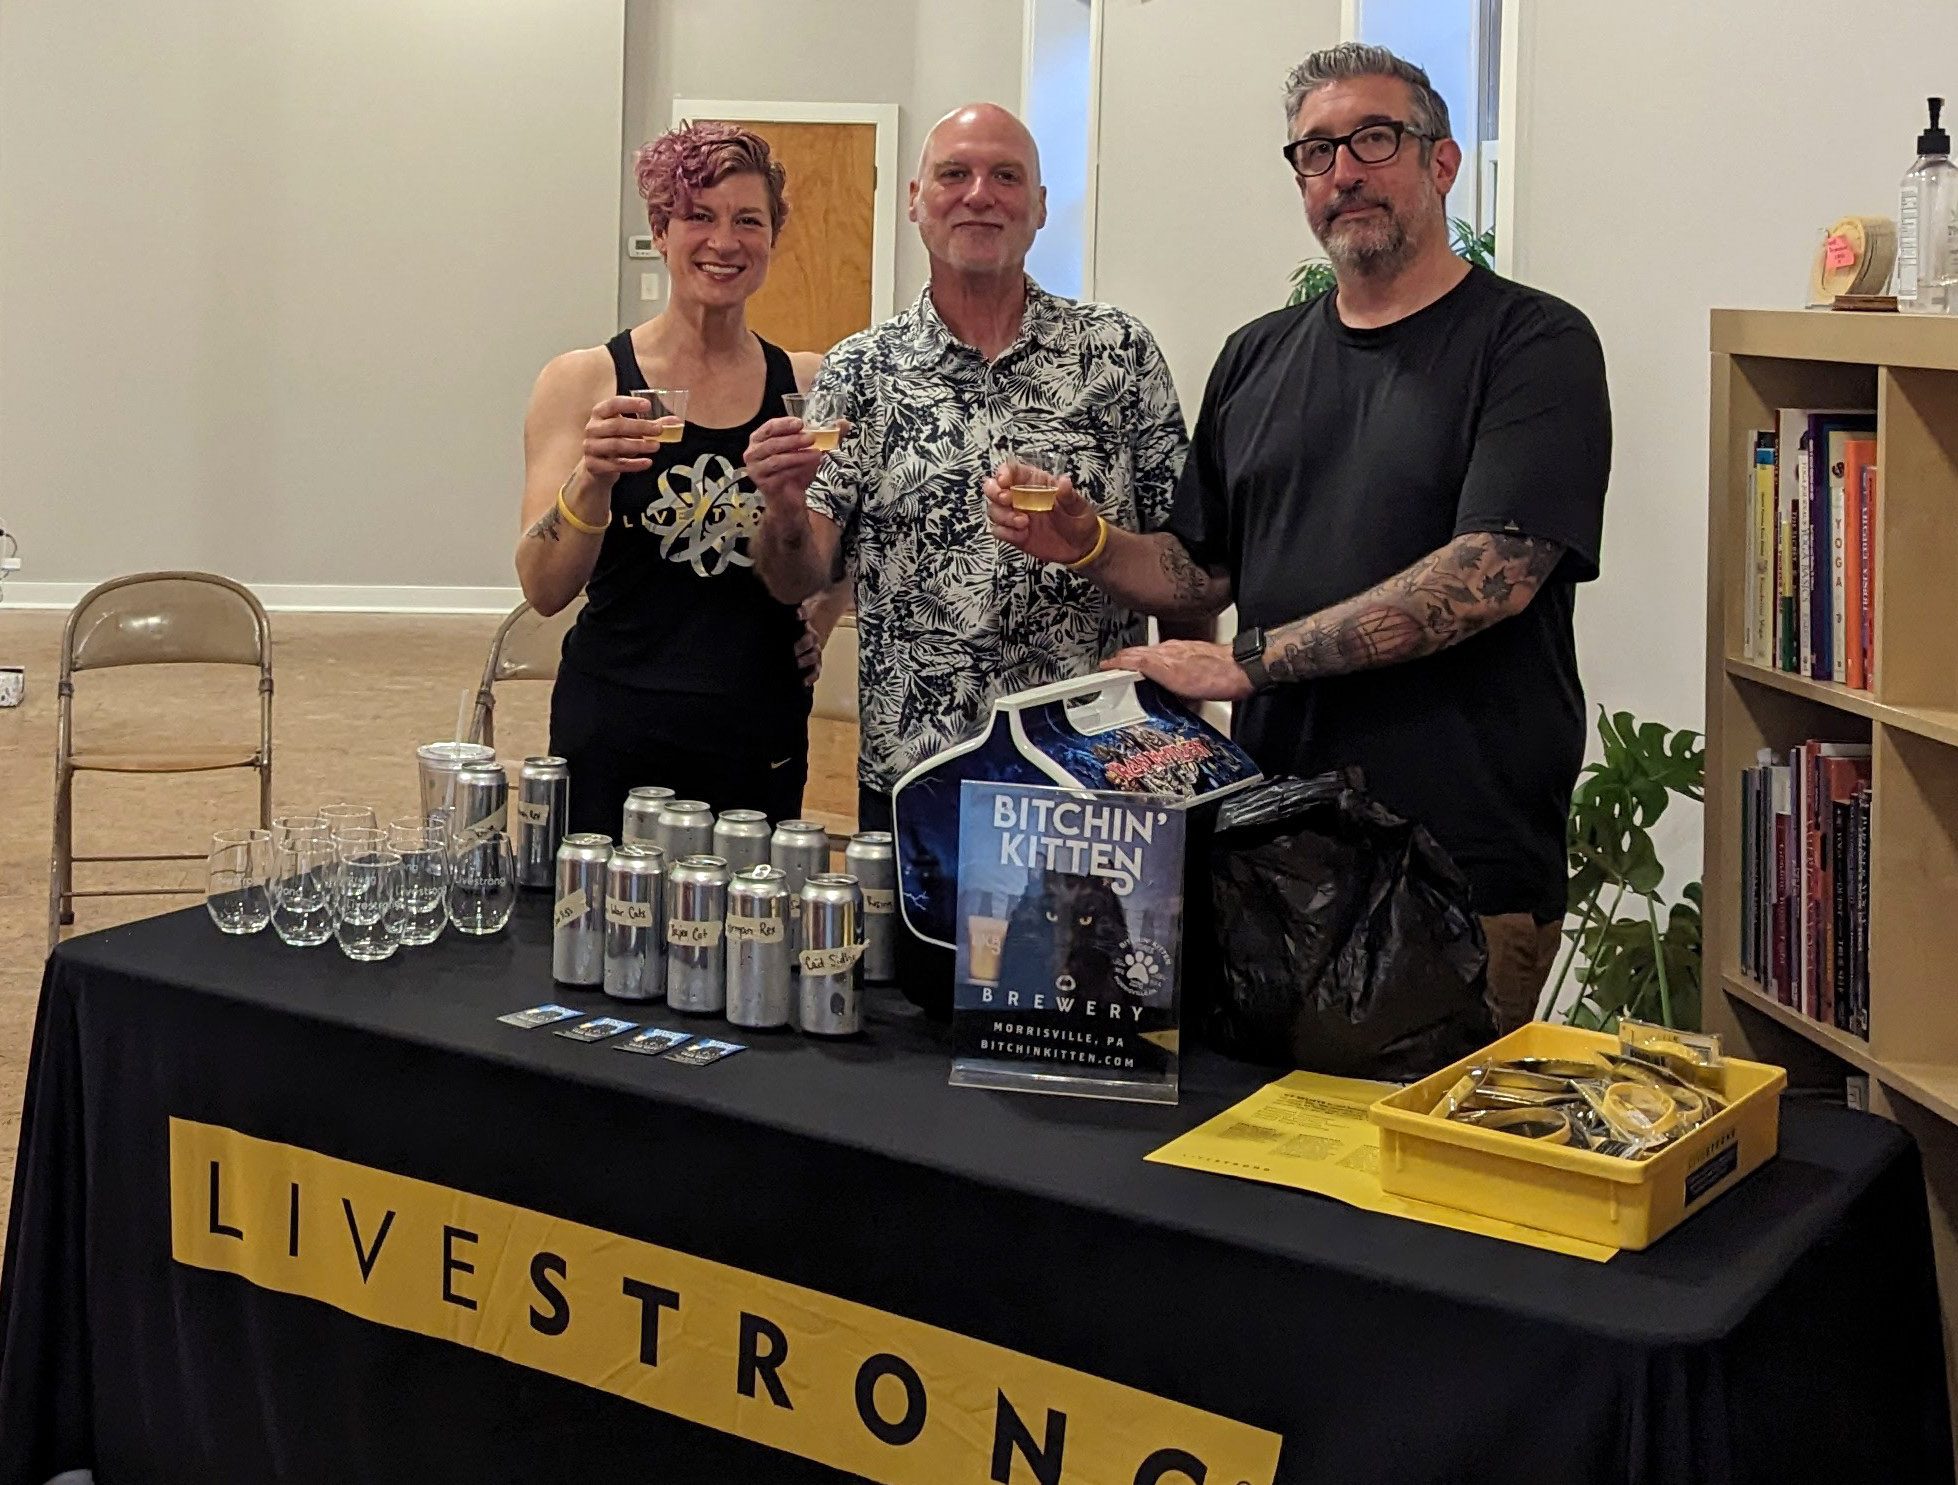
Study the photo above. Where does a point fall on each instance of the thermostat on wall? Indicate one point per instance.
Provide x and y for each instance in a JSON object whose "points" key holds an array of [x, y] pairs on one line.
{"points": [[640, 245]]}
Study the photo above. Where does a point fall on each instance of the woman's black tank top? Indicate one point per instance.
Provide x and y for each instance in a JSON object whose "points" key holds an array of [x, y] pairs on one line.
{"points": [[675, 609]]}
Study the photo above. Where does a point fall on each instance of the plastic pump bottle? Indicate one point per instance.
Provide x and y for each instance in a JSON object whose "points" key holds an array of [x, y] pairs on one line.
{"points": [[1927, 220]]}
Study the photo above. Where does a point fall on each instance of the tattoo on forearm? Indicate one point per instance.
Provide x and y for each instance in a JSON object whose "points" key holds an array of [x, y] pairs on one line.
{"points": [[547, 526], [1187, 581], [1441, 600]]}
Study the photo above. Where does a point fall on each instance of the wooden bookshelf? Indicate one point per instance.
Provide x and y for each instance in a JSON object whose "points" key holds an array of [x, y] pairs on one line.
{"points": [[1907, 368]]}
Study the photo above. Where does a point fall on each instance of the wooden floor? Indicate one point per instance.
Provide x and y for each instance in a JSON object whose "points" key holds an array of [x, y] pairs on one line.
{"points": [[356, 693]]}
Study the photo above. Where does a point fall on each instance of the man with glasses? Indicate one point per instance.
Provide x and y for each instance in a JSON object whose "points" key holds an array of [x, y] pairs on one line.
{"points": [[1400, 485]]}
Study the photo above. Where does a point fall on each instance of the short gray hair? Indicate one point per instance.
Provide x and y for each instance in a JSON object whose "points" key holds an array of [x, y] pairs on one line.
{"points": [[1350, 59]]}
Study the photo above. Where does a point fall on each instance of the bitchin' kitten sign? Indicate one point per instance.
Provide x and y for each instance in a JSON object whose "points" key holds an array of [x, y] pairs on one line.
{"points": [[1070, 910]]}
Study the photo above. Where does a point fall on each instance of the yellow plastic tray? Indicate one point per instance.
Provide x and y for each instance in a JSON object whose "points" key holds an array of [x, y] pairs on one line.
{"points": [[1579, 1193]]}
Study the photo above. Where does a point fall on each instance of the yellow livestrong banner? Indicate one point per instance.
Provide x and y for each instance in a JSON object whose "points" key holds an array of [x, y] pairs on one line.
{"points": [[856, 1388]]}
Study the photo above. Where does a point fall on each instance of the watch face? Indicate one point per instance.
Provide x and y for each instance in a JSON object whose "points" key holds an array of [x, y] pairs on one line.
{"points": [[1249, 644]]}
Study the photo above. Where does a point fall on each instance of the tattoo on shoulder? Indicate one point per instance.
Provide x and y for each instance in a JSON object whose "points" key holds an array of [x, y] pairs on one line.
{"points": [[547, 527]]}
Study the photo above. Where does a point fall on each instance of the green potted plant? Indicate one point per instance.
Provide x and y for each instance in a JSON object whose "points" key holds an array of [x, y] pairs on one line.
{"points": [[1646, 963]]}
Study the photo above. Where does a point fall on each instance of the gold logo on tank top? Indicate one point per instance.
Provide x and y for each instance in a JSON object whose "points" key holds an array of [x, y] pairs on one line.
{"points": [[705, 515]]}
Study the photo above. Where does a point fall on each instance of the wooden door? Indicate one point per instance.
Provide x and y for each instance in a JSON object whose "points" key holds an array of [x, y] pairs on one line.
{"points": [[818, 288]]}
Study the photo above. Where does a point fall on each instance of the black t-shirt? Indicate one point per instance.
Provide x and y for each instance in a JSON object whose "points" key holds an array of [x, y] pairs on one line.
{"points": [[1327, 459], [675, 609]]}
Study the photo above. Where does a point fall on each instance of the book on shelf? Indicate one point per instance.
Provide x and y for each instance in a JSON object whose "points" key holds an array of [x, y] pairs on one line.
{"points": [[1760, 615], [1805, 867], [1810, 588], [1859, 460]]}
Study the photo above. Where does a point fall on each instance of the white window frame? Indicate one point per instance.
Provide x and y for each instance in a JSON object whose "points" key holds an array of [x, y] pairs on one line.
{"points": [[884, 206], [1501, 161], [1091, 193]]}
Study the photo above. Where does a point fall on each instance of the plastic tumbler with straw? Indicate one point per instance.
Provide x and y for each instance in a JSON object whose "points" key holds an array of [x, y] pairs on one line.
{"points": [[440, 762]]}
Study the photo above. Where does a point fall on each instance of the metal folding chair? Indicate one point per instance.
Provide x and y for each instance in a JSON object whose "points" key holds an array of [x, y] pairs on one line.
{"points": [[153, 618], [526, 648], [836, 700]]}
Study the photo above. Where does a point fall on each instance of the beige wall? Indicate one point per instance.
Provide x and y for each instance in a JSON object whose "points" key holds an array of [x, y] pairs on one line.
{"points": [[275, 278], [1694, 170], [1198, 225], [926, 56]]}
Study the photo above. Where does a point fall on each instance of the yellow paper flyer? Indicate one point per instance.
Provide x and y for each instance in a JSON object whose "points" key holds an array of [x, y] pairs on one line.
{"points": [[1312, 1132]]}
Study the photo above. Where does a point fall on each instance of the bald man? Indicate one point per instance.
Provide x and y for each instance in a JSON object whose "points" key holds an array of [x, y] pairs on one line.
{"points": [[983, 365]]}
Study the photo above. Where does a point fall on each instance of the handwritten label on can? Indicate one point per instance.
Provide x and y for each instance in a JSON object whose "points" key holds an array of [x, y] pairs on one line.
{"points": [[693, 933], [479, 832], [831, 961], [570, 908], [756, 930], [628, 914], [879, 900], [533, 813]]}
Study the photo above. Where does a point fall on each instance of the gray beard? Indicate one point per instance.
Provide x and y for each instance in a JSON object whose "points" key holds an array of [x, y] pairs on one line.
{"points": [[1379, 257]]}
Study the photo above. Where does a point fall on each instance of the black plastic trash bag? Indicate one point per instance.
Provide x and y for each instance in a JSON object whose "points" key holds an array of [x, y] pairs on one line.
{"points": [[1340, 937]]}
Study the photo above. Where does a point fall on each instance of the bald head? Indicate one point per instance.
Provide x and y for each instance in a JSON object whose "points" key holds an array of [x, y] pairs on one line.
{"points": [[980, 123], [977, 199]]}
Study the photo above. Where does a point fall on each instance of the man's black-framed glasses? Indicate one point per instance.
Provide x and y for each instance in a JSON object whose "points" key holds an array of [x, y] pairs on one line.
{"points": [[1370, 144]]}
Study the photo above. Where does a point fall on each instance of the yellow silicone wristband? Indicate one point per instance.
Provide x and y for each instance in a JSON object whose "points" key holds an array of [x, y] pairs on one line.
{"points": [[565, 511], [1101, 542]]}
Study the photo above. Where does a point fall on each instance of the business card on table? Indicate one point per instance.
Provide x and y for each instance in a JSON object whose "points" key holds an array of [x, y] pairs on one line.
{"points": [[704, 1051], [654, 1040], [596, 1030], [539, 1015]]}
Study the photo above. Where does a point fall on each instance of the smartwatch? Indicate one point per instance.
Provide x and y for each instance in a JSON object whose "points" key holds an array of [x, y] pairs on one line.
{"points": [[1248, 650]]}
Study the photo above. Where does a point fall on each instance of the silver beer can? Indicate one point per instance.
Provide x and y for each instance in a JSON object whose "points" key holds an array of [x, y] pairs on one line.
{"points": [[543, 806], [871, 857], [578, 919], [480, 805], [759, 987], [642, 807], [696, 934], [830, 996], [685, 828], [801, 849], [635, 923], [741, 837]]}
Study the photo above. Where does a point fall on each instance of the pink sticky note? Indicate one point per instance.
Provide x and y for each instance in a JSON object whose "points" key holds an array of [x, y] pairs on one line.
{"points": [[1840, 254]]}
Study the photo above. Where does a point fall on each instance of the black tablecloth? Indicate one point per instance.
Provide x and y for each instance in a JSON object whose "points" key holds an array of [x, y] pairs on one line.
{"points": [[1789, 1332]]}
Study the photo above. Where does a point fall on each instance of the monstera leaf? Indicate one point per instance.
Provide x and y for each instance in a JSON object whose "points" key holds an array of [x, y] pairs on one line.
{"points": [[1646, 963]]}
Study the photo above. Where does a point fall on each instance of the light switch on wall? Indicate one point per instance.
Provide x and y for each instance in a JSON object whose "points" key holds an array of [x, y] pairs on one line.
{"points": [[648, 287]]}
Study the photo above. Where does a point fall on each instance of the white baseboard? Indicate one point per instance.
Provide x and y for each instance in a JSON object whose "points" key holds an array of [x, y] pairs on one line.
{"points": [[305, 598]]}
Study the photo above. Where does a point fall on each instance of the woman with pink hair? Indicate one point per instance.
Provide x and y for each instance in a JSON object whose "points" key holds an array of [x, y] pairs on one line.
{"points": [[681, 670]]}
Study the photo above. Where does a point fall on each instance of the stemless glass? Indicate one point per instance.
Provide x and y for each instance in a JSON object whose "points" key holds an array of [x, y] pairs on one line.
{"points": [[369, 887], [359, 840], [238, 880], [482, 886], [421, 912], [284, 827], [303, 868], [414, 829], [341, 817]]}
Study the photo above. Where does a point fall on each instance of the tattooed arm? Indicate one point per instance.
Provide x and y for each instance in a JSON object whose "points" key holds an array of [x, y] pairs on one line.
{"points": [[1478, 579], [1151, 573], [575, 427]]}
